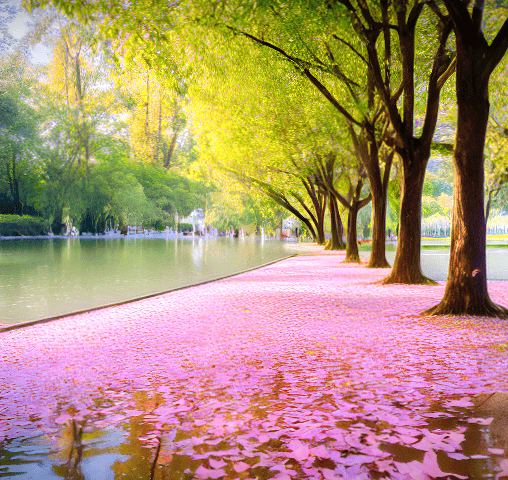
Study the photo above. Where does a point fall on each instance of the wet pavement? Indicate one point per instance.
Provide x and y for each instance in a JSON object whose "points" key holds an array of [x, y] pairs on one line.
{"points": [[302, 369]]}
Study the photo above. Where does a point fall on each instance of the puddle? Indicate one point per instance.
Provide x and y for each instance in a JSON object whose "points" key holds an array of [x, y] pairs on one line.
{"points": [[458, 438]]}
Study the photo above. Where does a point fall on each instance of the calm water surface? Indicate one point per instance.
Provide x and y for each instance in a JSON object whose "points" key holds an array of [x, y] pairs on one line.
{"points": [[40, 278]]}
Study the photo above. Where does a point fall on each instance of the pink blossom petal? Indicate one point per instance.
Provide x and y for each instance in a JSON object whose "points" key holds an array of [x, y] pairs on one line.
{"points": [[240, 467]]}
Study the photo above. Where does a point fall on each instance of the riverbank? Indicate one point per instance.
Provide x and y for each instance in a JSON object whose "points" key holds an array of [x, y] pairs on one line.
{"points": [[305, 368]]}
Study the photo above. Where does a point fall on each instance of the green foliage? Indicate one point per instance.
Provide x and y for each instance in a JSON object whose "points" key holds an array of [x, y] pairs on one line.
{"points": [[65, 142], [16, 225], [20, 173], [185, 227]]}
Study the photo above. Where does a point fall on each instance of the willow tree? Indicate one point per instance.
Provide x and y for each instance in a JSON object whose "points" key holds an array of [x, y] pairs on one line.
{"points": [[466, 288]]}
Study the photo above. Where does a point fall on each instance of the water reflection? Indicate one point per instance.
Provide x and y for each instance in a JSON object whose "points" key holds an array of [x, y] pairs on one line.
{"points": [[263, 439], [49, 277]]}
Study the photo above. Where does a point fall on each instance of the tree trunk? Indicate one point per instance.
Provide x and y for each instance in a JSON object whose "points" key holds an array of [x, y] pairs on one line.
{"points": [[320, 227], [378, 251], [407, 267], [352, 254], [366, 145], [17, 205], [466, 289], [335, 242]]}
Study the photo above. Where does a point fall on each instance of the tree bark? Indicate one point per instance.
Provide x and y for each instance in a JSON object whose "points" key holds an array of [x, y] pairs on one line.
{"points": [[318, 199], [352, 254], [320, 227], [378, 247], [407, 265], [337, 229], [367, 150], [466, 288]]}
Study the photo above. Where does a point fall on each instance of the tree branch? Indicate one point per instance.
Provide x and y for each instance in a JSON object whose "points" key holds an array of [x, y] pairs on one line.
{"points": [[326, 93], [497, 49], [460, 16], [364, 202]]}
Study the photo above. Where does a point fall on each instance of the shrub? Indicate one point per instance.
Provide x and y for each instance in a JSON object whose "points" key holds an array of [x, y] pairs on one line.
{"points": [[15, 226], [157, 225], [185, 227]]}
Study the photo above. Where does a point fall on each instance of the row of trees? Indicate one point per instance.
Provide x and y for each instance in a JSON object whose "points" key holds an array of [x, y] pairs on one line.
{"points": [[327, 94]]}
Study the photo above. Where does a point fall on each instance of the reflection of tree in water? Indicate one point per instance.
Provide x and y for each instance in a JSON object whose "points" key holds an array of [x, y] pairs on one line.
{"points": [[142, 457], [72, 440], [456, 437]]}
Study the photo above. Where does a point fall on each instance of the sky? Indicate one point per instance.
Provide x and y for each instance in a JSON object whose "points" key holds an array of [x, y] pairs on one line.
{"points": [[15, 21]]}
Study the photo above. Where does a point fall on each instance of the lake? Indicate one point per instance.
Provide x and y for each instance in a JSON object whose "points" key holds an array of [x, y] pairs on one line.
{"points": [[41, 278]]}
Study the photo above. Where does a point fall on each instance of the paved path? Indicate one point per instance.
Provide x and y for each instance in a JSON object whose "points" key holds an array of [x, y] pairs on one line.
{"points": [[302, 369]]}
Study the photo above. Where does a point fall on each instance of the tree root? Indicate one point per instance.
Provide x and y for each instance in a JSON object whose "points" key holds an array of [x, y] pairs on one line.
{"points": [[407, 279], [352, 259], [332, 246], [378, 264], [486, 309]]}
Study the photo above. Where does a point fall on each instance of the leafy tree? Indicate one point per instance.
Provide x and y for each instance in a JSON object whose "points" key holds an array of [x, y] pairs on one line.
{"points": [[19, 159], [466, 288], [234, 128], [496, 142]]}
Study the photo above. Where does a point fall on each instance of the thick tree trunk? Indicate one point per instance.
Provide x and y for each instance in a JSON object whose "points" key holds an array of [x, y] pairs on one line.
{"points": [[378, 252], [352, 254], [335, 242], [407, 267], [466, 289]]}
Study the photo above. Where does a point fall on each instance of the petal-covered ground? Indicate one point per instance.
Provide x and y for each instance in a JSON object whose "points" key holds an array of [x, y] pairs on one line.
{"points": [[305, 368]]}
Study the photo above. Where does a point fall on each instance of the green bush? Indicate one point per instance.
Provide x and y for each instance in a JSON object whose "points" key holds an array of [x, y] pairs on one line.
{"points": [[157, 225], [15, 226], [185, 227]]}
